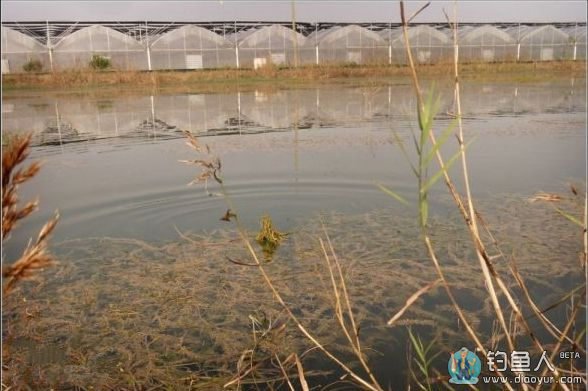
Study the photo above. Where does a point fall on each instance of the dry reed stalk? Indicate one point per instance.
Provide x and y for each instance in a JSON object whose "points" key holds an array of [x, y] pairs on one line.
{"points": [[547, 324], [490, 274], [209, 171], [303, 382], [471, 218], [36, 255], [557, 347], [304, 330], [448, 182], [354, 341], [410, 301], [284, 373]]}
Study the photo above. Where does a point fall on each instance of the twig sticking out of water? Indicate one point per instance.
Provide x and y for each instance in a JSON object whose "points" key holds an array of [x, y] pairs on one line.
{"points": [[211, 165]]}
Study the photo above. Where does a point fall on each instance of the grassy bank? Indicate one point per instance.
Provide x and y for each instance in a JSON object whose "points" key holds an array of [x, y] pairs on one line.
{"points": [[230, 79]]}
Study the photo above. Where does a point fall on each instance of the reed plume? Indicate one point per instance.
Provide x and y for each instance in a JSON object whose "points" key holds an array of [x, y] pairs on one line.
{"points": [[36, 255]]}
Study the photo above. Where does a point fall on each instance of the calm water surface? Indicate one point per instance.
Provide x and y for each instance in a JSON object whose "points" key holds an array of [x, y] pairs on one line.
{"points": [[111, 164]]}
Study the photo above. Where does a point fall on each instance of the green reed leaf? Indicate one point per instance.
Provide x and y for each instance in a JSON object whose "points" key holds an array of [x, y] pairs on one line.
{"points": [[392, 194], [440, 141], [446, 167], [570, 217]]}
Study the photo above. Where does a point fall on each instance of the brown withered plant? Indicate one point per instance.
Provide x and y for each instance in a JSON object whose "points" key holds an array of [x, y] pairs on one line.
{"points": [[36, 255], [210, 165]]}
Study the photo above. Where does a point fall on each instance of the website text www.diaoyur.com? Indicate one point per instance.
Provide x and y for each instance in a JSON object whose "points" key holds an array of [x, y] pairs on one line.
{"points": [[534, 380]]}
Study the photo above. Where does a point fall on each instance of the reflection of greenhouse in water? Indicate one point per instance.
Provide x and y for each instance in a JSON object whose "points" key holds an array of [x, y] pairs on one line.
{"points": [[163, 45], [276, 110], [197, 112], [535, 99], [63, 120], [487, 99]]}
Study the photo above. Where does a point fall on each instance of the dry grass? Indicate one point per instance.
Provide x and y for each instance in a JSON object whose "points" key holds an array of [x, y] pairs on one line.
{"points": [[240, 78], [427, 147]]}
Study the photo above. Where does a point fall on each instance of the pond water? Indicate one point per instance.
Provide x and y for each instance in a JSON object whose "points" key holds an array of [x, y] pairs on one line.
{"points": [[130, 226]]}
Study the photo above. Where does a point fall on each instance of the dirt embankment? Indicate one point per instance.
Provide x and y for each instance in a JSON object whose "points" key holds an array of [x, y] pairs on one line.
{"points": [[227, 79]]}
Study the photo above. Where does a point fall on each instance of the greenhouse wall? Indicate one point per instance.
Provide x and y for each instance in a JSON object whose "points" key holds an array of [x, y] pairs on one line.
{"points": [[135, 46], [545, 43], [273, 44], [18, 50], [486, 44], [191, 47], [428, 46], [75, 51], [349, 44], [578, 41]]}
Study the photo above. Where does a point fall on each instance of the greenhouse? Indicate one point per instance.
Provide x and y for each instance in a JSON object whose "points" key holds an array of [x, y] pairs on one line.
{"points": [[43, 46], [486, 44], [578, 41], [21, 53], [390, 33], [191, 47], [348, 44], [83, 47], [428, 46], [544, 43], [273, 44]]}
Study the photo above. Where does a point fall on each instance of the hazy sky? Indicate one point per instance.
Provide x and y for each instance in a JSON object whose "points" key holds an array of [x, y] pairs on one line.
{"points": [[306, 11]]}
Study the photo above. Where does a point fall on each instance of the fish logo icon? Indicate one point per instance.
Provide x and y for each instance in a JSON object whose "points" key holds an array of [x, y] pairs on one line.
{"points": [[464, 367]]}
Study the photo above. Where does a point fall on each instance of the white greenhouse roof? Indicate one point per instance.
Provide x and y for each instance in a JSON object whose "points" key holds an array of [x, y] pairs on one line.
{"points": [[270, 33], [547, 30], [351, 30], [16, 42], [191, 36], [422, 33], [97, 38], [477, 33]]}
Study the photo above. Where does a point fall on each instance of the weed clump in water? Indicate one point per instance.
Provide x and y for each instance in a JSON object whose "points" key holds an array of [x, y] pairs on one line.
{"points": [[268, 237]]}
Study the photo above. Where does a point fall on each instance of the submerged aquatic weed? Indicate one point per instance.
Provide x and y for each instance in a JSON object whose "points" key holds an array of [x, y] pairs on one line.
{"points": [[177, 312]]}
